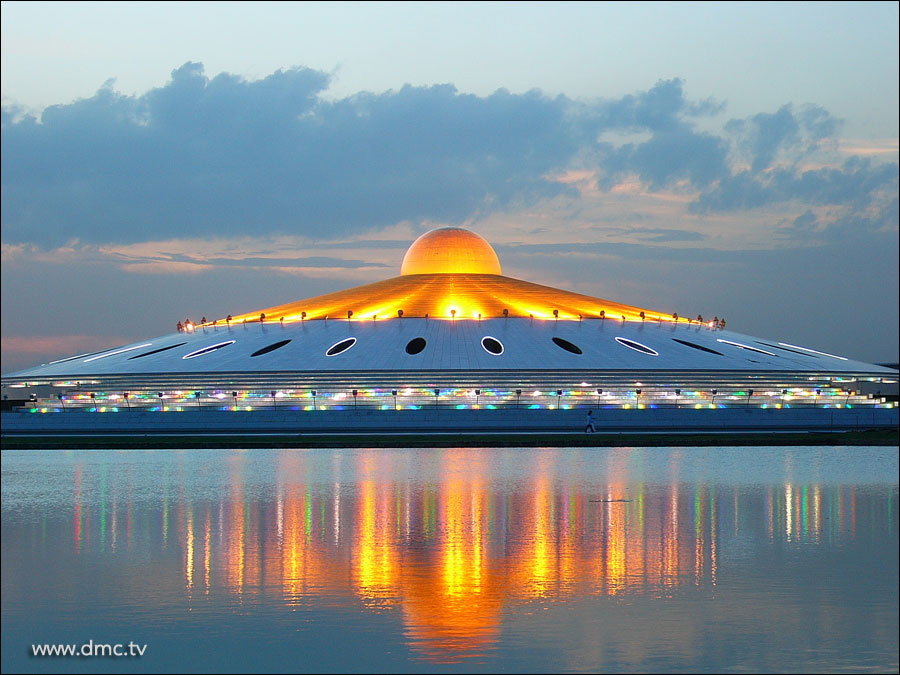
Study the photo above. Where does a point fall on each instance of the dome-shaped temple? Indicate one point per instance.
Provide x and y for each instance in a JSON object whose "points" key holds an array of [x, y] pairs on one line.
{"points": [[452, 328]]}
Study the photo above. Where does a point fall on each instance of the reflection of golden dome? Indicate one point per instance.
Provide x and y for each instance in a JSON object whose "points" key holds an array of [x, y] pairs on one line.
{"points": [[450, 250]]}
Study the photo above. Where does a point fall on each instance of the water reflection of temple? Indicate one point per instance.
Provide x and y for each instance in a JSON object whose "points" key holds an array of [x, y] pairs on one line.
{"points": [[452, 555]]}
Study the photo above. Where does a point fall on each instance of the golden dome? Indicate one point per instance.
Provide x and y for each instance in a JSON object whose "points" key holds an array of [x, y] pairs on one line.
{"points": [[450, 250]]}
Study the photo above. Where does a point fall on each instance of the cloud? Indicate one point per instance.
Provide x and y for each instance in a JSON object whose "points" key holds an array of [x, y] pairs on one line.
{"points": [[662, 108], [846, 226], [762, 137], [223, 156], [854, 184]]}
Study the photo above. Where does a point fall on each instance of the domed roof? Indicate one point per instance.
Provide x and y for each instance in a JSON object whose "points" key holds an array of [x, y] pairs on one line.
{"points": [[450, 250]]}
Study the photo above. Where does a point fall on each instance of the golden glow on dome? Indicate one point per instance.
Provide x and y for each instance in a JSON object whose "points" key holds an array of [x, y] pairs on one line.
{"points": [[451, 273], [450, 250], [473, 296]]}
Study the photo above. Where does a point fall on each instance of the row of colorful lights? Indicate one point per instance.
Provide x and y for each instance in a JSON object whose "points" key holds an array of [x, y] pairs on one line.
{"points": [[453, 313], [416, 398]]}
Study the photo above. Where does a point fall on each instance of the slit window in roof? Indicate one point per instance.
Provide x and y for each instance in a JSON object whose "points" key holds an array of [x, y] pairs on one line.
{"points": [[77, 356], [339, 347], [784, 349], [813, 351], [117, 351], [208, 350], [741, 345], [270, 348], [636, 346], [568, 346], [156, 351], [696, 346]]}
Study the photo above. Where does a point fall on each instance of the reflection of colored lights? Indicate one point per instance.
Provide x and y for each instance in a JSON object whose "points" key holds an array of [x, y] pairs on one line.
{"points": [[431, 551]]}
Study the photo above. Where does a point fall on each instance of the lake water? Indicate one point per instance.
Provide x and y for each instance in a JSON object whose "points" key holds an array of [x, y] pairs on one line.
{"points": [[607, 559]]}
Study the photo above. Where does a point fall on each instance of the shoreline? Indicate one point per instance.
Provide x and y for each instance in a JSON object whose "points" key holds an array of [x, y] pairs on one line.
{"points": [[183, 441]]}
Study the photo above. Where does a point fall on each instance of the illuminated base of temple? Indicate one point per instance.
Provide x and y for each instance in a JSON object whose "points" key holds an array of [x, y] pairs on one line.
{"points": [[361, 420]]}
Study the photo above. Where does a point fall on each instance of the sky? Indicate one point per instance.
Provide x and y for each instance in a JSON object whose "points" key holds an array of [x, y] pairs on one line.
{"points": [[171, 160]]}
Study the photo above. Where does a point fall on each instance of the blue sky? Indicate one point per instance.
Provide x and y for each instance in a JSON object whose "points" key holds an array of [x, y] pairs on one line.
{"points": [[169, 160]]}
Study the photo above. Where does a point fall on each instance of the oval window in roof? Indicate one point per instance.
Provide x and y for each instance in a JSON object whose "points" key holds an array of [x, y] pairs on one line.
{"points": [[636, 346], [492, 345], [270, 348], [339, 347], [416, 345], [568, 346], [207, 350]]}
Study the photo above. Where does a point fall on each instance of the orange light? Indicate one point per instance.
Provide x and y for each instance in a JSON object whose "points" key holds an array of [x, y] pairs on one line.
{"points": [[451, 273], [450, 250]]}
